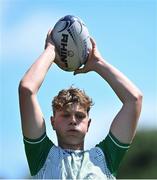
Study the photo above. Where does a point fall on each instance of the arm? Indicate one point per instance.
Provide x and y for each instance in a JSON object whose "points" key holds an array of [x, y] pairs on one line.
{"points": [[124, 124], [33, 125]]}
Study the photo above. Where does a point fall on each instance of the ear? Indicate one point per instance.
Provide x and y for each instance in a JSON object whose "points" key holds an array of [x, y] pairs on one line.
{"points": [[88, 124], [52, 122]]}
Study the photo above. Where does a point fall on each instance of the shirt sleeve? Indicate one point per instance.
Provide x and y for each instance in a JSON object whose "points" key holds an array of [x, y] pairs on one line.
{"points": [[36, 152], [114, 152]]}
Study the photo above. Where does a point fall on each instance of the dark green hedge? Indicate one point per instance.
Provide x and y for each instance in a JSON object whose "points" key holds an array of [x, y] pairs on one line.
{"points": [[141, 159]]}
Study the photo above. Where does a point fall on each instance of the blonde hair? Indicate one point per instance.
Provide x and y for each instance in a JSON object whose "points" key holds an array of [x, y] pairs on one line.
{"points": [[71, 95]]}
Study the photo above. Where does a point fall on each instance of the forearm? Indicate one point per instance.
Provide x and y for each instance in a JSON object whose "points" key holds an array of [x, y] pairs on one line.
{"points": [[122, 86], [34, 77], [124, 124]]}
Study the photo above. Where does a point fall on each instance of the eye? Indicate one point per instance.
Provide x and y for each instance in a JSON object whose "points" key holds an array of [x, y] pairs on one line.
{"points": [[66, 115], [80, 116]]}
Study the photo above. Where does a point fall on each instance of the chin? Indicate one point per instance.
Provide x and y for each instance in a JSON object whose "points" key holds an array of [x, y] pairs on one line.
{"points": [[73, 140]]}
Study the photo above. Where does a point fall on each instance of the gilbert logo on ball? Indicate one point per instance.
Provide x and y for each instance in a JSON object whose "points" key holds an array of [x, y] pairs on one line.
{"points": [[72, 40]]}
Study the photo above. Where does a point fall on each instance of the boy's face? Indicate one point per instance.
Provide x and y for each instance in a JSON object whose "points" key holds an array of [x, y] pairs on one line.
{"points": [[71, 125]]}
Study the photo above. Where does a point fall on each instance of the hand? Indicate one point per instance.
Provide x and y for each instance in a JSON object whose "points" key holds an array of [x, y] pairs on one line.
{"points": [[50, 44], [48, 41], [93, 58]]}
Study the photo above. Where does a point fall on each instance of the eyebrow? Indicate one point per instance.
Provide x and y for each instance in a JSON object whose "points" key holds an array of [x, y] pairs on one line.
{"points": [[80, 112]]}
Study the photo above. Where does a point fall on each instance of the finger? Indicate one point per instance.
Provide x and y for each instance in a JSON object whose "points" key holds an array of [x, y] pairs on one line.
{"points": [[49, 31], [89, 56], [93, 42], [48, 37]]}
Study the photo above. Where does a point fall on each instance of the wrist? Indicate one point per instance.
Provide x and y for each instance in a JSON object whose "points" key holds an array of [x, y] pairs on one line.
{"points": [[50, 51], [99, 63], [50, 47]]}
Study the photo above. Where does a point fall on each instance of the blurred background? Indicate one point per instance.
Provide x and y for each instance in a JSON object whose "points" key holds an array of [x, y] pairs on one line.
{"points": [[126, 35]]}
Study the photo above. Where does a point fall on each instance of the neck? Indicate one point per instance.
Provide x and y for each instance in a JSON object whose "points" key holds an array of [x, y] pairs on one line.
{"points": [[72, 146]]}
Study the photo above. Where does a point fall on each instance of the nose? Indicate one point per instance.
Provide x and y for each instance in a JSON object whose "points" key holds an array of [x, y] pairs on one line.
{"points": [[73, 120]]}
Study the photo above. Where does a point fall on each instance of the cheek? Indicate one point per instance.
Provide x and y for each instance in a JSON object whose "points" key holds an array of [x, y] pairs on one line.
{"points": [[84, 126], [59, 124]]}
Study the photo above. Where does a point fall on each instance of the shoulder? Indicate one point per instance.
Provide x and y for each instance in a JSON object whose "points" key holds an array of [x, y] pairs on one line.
{"points": [[37, 151], [112, 141], [113, 151]]}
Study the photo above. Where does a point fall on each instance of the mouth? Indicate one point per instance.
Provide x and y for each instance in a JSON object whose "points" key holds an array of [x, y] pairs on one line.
{"points": [[73, 131]]}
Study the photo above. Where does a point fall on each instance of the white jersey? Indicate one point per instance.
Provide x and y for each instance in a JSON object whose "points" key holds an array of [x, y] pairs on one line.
{"points": [[75, 164], [47, 161]]}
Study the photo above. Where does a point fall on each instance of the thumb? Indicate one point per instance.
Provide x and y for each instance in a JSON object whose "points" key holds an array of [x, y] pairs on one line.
{"points": [[78, 71]]}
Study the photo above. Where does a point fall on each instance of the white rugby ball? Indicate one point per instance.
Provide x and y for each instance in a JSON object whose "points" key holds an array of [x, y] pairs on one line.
{"points": [[72, 40]]}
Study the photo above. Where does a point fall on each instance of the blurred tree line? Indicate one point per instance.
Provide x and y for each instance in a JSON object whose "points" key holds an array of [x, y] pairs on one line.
{"points": [[140, 162]]}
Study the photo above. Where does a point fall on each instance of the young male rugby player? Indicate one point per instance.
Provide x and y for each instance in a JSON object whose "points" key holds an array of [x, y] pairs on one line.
{"points": [[71, 121]]}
